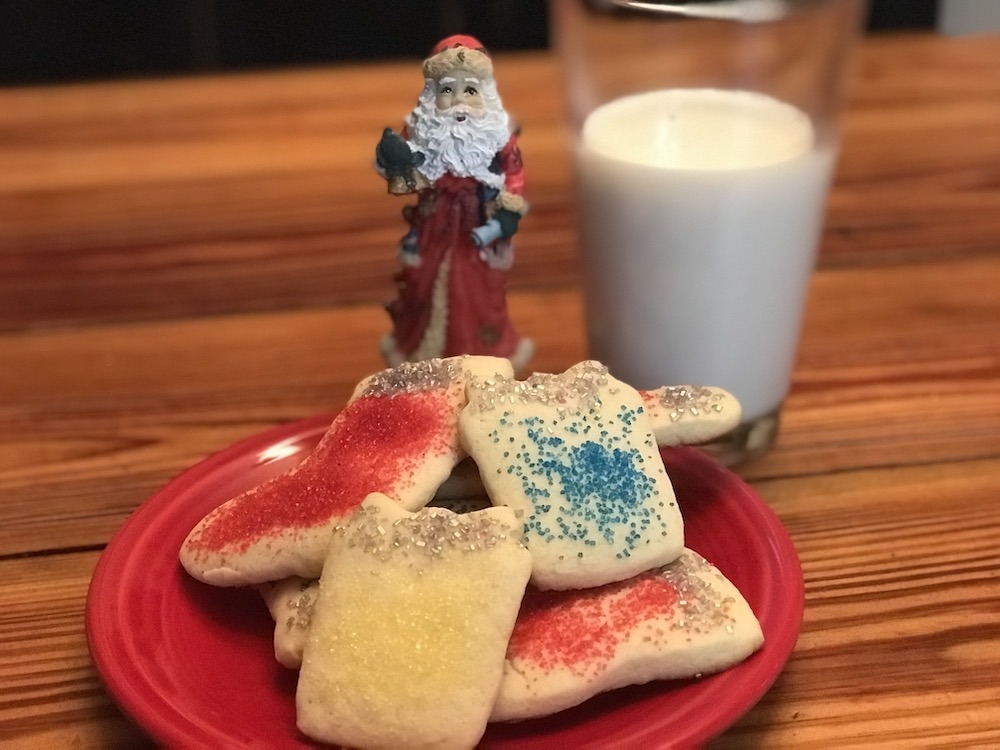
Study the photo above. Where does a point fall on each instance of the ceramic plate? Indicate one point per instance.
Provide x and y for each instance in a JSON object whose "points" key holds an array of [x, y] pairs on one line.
{"points": [[194, 667]]}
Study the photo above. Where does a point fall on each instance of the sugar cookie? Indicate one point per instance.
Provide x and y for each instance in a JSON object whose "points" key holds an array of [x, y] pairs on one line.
{"points": [[690, 414], [398, 435], [290, 602], [575, 453], [683, 620], [680, 415], [407, 642]]}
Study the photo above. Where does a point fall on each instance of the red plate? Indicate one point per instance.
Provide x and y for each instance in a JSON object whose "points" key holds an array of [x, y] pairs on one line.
{"points": [[194, 666]]}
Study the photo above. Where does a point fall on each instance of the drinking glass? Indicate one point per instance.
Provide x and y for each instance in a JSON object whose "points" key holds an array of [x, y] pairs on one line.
{"points": [[705, 137]]}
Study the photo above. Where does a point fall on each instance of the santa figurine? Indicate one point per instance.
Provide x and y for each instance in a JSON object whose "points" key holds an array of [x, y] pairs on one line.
{"points": [[458, 153]]}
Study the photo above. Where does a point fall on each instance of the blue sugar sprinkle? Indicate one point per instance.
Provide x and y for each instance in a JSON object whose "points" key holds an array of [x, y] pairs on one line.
{"points": [[601, 485]]}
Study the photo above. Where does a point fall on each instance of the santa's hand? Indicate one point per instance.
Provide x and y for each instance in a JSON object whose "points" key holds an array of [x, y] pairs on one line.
{"points": [[508, 222]]}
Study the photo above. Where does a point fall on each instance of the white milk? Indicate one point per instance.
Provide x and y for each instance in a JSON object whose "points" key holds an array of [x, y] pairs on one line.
{"points": [[700, 215]]}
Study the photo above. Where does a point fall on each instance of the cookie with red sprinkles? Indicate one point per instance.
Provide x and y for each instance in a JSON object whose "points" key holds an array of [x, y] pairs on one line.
{"points": [[398, 436], [680, 621]]}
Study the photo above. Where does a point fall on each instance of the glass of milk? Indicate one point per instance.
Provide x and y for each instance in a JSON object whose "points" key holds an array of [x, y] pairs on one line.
{"points": [[704, 142]]}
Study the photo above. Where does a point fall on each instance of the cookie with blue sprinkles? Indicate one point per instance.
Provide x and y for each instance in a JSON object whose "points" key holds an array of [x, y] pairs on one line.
{"points": [[576, 454]]}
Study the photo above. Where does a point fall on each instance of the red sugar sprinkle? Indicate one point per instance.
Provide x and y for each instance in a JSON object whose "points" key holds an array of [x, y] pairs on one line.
{"points": [[374, 445], [580, 630]]}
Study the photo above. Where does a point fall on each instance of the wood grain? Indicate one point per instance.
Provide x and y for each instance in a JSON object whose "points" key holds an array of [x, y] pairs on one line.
{"points": [[184, 263], [139, 200], [884, 378], [50, 695], [901, 607], [900, 616]]}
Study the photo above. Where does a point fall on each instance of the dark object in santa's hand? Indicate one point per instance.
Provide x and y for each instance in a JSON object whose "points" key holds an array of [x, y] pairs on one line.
{"points": [[508, 222], [394, 157]]}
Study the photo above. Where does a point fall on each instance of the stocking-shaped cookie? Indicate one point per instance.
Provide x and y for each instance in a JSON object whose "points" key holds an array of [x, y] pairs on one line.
{"points": [[398, 435], [683, 620]]}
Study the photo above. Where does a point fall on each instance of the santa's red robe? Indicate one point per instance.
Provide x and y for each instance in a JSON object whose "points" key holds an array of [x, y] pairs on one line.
{"points": [[452, 297]]}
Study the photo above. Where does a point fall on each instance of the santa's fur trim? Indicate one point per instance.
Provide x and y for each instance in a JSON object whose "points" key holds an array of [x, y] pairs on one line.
{"points": [[512, 202], [455, 58]]}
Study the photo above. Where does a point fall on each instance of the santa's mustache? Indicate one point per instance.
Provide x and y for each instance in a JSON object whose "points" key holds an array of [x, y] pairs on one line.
{"points": [[459, 112]]}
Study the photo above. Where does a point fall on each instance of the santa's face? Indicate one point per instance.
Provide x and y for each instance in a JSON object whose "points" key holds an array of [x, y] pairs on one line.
{"points": [[459, 125], [459, 94]]}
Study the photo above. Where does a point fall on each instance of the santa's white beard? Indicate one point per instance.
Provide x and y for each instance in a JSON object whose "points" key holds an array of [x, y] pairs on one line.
{"points": [[465, 148]]}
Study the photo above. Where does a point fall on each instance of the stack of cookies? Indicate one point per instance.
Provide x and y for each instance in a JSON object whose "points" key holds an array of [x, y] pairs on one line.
{"points": [[421, 601]]}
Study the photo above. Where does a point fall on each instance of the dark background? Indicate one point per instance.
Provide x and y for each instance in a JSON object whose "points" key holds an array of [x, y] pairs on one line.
{"points": [[51, 41]]}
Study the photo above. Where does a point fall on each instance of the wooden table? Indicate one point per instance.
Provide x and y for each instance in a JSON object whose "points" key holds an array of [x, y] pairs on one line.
{"points": [[184, 263]]}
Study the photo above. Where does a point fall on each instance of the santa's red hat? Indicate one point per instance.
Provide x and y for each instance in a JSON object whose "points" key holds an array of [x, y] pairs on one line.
{"points": [[457, 40], [455, 52]]}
